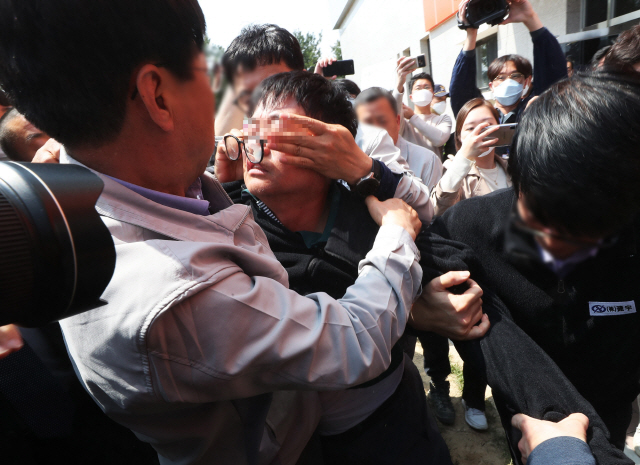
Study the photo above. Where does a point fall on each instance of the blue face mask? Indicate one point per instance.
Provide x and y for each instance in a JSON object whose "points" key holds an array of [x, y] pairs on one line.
{"points": [[508, 93]]}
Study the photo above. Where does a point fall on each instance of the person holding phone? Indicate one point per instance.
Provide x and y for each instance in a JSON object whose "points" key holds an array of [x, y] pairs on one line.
{"points": [[420, 126], [476, 169]]}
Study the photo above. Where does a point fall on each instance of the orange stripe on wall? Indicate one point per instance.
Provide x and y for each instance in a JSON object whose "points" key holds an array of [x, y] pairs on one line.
{"points": [[438, 11]]}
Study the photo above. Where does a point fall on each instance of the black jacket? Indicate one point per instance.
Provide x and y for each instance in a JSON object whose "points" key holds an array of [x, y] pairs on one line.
{"points": [[329, 267], [546, 355]]}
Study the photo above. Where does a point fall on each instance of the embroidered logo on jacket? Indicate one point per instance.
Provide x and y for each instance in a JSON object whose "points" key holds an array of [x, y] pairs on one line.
{"points": [[612, 308]]}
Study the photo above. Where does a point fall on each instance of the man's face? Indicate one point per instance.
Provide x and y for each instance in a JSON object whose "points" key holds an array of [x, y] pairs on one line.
{"points": [[28, 138], [245, 81], [569, 68], [195, 113], [507, 70], [558, 244], [272, 179], [380, 114]]}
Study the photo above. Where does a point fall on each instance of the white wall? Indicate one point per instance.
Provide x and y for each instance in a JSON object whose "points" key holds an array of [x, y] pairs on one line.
{"points": [[374, 32]]}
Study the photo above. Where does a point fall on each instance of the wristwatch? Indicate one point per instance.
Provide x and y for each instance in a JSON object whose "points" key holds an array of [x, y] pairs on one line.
{"points": [[368, 185]]}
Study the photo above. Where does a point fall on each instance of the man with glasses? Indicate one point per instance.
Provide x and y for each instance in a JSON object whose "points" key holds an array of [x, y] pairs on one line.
{"points": [[557, 257], [263, 50], [318, 229], [511, 77]]}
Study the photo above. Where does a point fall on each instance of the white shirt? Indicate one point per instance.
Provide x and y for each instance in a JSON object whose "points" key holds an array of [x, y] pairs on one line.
{"points": [[423, 162], [429, 131]]}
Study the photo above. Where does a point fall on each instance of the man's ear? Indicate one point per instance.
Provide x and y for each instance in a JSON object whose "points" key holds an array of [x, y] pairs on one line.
{"points": [[153, 84], [491, 85], [398, 119]]}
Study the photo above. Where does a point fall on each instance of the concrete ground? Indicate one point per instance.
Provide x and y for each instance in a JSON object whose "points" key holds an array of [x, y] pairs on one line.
{"points": [[467, 446], [470, 447]]}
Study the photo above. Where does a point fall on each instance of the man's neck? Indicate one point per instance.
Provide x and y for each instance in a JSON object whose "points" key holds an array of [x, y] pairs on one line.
{"points": [[426, 110], [506, 110], [308, 211], [145, 165]]}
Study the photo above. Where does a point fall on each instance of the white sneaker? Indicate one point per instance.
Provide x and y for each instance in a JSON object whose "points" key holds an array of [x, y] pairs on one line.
{"points": [[476, 418], [636, 441]]}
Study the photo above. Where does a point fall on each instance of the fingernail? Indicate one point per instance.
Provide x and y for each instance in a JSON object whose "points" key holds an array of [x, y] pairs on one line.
{"points": [[13, 344]]}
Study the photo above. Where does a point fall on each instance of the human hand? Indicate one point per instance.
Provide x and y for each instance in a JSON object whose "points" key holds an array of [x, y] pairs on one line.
{"points": [[474, 144], [330, 149], [323, 63], [228, 170], [521, 11], [48, 153], [404, 67], [10, 340], [535, 432], [394, 211], [407, 112], [450, 315]]}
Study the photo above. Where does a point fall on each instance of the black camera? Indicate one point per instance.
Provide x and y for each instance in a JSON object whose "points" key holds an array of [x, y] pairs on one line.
{"points": [[479, 12], [57, 254]]}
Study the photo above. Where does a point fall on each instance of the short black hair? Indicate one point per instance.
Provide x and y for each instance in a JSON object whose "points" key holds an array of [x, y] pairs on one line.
{"points": [[521, 64], [625, 52], [575, 157], [8, 138], [260, 45], [348, 86], [315, 94], [419, 76], [375, 93], [4, 99], [67, 65], [599, 55]]}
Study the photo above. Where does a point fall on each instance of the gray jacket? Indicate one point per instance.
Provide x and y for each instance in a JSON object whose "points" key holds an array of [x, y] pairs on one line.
{"points": [[200, 328]]}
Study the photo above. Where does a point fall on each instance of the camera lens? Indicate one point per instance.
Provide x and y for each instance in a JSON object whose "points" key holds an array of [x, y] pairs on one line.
{"points": [[57, 254]]}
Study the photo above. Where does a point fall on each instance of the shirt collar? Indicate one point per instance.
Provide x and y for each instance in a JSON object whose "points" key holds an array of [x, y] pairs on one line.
{"points": [[562, 267], [193, 202]]}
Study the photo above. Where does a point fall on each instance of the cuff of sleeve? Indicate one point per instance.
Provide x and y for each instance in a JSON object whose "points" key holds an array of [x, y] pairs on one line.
{"points": [[388, 183], [537, 33], [563, 450], [394, 236], [471, 53]]}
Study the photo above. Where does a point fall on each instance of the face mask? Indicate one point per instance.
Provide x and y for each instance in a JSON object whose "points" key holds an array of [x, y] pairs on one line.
{"points": [[439, 107], [508, 93], [525, 91], [484, 154], [351, 101], [422, 98]]}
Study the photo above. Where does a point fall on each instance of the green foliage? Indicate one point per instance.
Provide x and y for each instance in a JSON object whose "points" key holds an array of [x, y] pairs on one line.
{"points": [[456, 372], [336, 50], [310, 46]]}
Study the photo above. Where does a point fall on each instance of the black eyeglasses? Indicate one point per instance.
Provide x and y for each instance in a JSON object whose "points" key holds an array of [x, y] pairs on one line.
{"points": [[253, 149]]}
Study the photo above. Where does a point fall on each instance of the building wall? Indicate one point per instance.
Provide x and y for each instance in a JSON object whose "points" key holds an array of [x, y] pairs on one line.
{"points": [[375, 32]]}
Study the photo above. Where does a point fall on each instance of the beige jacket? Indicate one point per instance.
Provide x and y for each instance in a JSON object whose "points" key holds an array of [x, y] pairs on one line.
{"points": [[473, 185]]}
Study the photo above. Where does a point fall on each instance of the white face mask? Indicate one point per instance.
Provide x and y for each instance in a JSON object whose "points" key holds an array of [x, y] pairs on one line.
{"points": [[422, 97], [439, 107], [484, 154], [351, 101], [508, 93], [525, 91]]}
